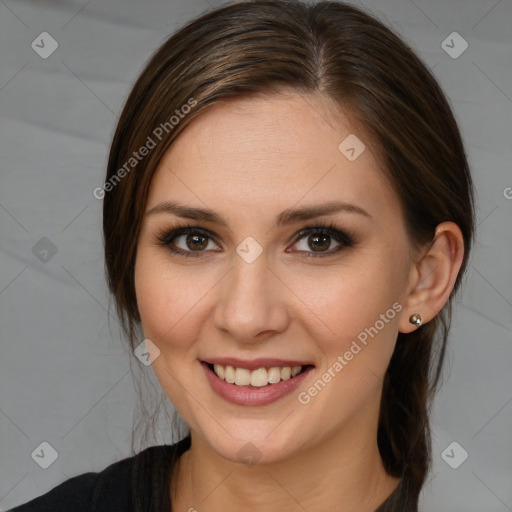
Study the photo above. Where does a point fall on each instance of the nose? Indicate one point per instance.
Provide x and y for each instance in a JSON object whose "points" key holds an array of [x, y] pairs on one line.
{"points": [[252, 304]]}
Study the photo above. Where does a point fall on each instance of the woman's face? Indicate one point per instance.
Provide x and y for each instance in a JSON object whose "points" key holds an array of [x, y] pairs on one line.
{"points": [[248, 293]]}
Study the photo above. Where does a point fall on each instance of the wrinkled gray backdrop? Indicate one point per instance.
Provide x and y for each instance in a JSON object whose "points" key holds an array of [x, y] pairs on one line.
{"points": [[65, 375]]}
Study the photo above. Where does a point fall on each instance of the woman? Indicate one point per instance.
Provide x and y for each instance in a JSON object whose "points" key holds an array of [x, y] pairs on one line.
{"points": [[288, 213]]}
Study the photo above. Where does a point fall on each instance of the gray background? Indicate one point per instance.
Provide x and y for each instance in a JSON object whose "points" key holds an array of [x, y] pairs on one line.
{"points": [[64, 370]]}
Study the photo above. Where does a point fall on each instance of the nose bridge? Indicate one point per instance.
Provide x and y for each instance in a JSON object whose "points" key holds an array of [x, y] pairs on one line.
{"points": [[250, 302]]}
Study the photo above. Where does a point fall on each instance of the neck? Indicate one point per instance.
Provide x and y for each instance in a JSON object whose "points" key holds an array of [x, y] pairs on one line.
{"points": [[343, 472]]}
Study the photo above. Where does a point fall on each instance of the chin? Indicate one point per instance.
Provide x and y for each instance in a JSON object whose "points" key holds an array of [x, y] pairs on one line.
{"points": [[253, 441]]}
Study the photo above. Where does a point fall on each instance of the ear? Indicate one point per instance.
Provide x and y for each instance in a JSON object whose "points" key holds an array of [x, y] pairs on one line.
{"points": [[433, 276]]}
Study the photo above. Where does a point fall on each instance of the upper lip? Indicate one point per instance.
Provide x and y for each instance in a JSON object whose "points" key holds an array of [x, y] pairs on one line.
{"points": [[254, 364]]}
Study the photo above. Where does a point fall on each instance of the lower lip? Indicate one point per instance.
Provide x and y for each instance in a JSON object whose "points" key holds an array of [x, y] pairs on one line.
{"points": [[248, 395]]}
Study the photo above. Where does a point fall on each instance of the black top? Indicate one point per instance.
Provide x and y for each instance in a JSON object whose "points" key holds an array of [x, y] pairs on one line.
{"points": [[111, 489]]}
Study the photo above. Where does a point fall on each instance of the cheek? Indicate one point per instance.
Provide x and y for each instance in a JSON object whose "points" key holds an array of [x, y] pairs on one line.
{"points": [[165, 299], [359, 313], [353, 298], [360, 310]]}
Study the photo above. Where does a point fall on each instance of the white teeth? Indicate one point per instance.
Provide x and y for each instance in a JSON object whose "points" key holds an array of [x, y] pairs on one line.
{"points": [[274, 375], [219, 370], [242, 377], [229, 374], [257, 378], [296, 370]]}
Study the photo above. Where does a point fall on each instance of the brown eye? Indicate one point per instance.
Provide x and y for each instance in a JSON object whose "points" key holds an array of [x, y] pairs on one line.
{"points": [[320, 239], [196, 240], [319, 242]]}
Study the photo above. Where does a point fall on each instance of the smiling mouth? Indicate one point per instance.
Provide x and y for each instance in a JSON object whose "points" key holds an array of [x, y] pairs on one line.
{"points": [[261, 377]]}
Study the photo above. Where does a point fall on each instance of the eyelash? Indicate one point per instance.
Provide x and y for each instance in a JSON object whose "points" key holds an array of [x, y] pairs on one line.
{"points": [[167, 236]]}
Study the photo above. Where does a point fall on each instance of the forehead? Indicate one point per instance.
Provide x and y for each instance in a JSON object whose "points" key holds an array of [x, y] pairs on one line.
{"points": [[257, 152]]}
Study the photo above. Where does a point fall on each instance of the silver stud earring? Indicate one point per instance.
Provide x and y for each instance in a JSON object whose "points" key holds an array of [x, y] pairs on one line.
{"points": [[416, 319]]}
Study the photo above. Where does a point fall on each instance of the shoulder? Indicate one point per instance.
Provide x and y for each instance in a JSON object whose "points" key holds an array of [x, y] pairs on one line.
{"points": [[108, 490]]}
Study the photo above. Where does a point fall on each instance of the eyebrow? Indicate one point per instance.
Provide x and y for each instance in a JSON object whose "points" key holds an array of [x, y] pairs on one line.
{"points": [[288, 216]]}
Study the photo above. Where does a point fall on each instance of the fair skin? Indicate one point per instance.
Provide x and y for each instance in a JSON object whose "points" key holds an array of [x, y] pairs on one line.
{"points": [[248, 160]]}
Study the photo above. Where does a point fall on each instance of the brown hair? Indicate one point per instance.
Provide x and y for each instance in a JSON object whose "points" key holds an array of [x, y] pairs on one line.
{"points": [[335, 49]]}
